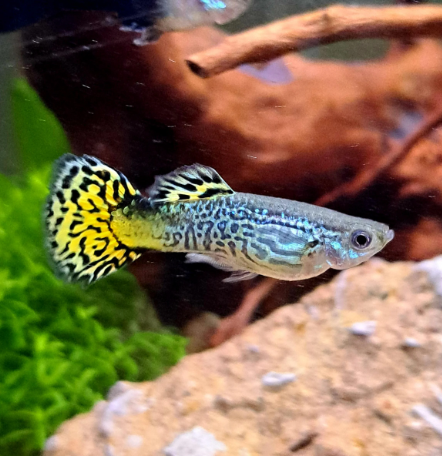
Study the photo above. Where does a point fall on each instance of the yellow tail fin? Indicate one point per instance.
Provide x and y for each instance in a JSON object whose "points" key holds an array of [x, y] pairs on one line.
{"points": [[80, 241]]}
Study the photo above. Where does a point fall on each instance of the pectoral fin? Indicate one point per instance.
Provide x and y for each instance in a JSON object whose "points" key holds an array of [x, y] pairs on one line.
{"points": [[273, 72], [219, 262], [188, 183]]}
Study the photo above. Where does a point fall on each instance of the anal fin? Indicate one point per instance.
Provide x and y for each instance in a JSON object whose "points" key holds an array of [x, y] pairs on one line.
{"points": [[219, 262], [239, 276]]}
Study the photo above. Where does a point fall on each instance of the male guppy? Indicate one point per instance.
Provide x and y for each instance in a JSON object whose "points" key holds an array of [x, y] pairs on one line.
{"points": [[96, 222], [154, 17]]}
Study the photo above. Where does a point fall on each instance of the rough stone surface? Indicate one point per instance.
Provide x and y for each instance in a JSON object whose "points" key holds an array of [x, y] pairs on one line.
{"points": [[196, 442], [353, 395]]}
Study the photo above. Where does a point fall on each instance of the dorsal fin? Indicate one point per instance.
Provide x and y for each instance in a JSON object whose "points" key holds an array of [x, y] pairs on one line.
{"points": [[188, 183]]}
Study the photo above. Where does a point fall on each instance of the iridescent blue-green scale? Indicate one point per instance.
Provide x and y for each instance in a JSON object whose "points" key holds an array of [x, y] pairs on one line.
{"points": [[257, 233]]}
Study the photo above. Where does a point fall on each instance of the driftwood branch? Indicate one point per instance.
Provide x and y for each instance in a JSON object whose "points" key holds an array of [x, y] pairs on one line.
{"points": [[235, 323], [335, 23], [367, 177]]}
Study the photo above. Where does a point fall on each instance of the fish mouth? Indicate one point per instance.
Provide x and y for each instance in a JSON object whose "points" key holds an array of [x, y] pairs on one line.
{"points": [[389, 236]]}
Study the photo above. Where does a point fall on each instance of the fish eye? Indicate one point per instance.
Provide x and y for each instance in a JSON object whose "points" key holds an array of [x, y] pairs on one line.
{"points": [[360, 239]]}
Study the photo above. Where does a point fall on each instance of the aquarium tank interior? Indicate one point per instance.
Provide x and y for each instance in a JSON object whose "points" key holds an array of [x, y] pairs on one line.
{"points": [[220, 228]]}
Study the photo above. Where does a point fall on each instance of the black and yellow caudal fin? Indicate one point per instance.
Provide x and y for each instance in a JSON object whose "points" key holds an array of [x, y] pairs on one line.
{"points": [[188, 183], [80, 240]]}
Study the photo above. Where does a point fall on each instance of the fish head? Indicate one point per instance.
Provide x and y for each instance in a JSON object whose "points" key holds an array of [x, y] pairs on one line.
{"points": [[356, 244], [223, 11]]}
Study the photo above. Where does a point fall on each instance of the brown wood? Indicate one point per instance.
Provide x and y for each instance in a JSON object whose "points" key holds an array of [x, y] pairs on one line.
{"points": [[371, 174], [328, 25]]}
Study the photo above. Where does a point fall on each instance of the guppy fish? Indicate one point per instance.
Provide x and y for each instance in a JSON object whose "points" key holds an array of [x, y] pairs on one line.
{"points": [[174, 15], [96, 222], [151, 17]]}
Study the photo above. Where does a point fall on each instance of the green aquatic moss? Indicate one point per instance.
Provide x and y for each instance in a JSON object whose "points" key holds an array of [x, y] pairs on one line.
{"points": [[61, 346], [38, 134]]}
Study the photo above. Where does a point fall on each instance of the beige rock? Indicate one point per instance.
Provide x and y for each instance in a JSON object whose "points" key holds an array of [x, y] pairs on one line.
{"points": [[353, 395]]}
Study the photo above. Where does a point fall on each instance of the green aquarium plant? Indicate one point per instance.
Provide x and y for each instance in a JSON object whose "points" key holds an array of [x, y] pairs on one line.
{"points": [[61, 346]]}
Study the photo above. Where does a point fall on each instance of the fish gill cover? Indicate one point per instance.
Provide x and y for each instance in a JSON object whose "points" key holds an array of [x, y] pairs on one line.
{"points": [[61, 346]]}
